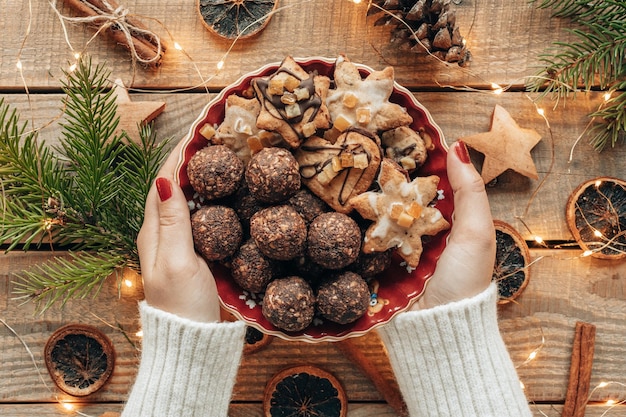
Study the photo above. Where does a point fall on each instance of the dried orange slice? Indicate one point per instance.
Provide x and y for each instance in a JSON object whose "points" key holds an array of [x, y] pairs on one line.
{"points": [[510, 271], [304, 391], [236, 18], [80, 359], [596, 216], [255, 340]]}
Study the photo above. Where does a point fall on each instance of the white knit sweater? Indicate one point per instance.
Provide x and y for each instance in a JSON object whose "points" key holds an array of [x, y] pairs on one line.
{"points": [[449, 361]]}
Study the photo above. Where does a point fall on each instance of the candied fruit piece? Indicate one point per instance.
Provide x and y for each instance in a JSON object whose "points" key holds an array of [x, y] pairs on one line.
{"points": [[405, 220], [361, 161], [347, 160], [207, 131], [291, 83], [396, 210], [342, 123], [308, 129], [408, 163], [350, 100], [414, 210], [275, 87], [302, 93], [363, 115], [292, 111]]}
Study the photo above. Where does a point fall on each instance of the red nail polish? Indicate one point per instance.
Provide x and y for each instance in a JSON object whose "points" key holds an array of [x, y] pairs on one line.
{"points": [[164, 188], [461, 152]]}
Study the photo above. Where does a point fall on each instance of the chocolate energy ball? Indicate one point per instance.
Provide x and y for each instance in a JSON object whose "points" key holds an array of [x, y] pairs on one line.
{"points": [[334, 240], [343, 299], [273, 175], [279, 232], [216, 232], [215, 172], [308, 205], [250, 269], [371, 264], [289, 303]]}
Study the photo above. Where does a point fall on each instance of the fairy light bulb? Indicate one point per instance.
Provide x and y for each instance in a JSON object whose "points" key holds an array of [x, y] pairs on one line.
{"points": [[220, 64], [532, 355], [610, 403], [598, 183], [602, 384], [597, 233], [128, 283], [67, 406], [18, 64], [72, 68], [521, 384], [177, 46], [539, 240], [541, 111], [357, 1], [497, 90], [587, 253], [607, 96], [139, 333]]}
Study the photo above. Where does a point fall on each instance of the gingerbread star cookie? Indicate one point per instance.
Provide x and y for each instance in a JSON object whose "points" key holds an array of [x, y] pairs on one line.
{"points": [[401, 213], [292, 102], [338, 171], [238, 130], [364, 102], [505, 146]]}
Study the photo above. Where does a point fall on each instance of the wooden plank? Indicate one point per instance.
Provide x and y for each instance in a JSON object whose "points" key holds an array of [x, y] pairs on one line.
{"points": [[505, 38], [256, 410], [510, 197], [563, 289]]}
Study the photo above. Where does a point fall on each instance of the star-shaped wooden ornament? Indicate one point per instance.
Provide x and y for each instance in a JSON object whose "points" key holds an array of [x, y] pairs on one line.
{"points": [[134, 113], [401, 213], [505, 146]]}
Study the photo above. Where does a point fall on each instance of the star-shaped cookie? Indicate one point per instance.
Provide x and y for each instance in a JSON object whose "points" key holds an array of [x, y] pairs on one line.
{"points": [[505, 146], [134, 113], [365, 102], [401, 213]]}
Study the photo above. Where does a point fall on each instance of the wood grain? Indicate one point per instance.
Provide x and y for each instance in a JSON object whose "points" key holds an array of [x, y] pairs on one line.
{"points": [[505, 39]]}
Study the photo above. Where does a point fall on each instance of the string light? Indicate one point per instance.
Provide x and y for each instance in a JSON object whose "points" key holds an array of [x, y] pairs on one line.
{"points": [[67, 406], [607, 96], [128, 283]]}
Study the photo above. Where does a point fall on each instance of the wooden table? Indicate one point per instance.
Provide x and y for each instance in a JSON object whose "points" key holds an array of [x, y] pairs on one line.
{"points": [[505, 38]]}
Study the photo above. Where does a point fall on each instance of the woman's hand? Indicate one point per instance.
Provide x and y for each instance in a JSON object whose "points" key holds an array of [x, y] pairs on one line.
{"points": [[466, 265], [176, 279]]}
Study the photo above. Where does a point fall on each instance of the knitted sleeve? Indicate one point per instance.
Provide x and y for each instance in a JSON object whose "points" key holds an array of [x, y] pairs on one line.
{"points": [[187, 369], [451, 361]]}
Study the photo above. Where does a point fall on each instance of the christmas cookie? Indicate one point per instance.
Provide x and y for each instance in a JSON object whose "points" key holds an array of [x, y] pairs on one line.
{"points": [[238, 131], [279, 232], [401, 213], [334, 240], [292, 102], [364, 102], [338, 171], [405, 146]]}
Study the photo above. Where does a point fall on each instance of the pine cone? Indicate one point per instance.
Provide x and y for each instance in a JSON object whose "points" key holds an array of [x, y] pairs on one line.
{"points": [[433, 28]]}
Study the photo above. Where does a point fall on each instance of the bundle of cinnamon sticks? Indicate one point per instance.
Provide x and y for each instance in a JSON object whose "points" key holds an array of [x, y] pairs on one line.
{"points": [[146, 45]]}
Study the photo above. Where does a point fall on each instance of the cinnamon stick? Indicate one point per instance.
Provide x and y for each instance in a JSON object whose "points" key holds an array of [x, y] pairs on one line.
{"points": [[145, 48], [577, 394], [389, 389]]}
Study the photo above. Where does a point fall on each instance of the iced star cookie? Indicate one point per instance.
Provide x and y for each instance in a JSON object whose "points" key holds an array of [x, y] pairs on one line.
{"points": [[336, 172], [405, 146], [364, 102], [238, 130], [292, 102], [401, 213]]}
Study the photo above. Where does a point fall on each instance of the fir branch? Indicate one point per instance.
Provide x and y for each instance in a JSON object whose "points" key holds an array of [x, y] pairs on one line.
{"points": [[86, 196], [63, 278], [594, 60]]}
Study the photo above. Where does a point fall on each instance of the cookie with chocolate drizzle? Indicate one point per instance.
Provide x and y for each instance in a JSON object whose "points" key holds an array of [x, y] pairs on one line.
{"points": [[336, 172], [292, 102]]}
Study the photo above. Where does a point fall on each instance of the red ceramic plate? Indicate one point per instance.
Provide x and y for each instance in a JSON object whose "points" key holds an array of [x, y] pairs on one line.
{"points": [[392, 292]]}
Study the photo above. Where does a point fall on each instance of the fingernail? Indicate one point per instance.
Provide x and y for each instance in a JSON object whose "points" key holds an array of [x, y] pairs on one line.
{"points": [[462, 152], [164, 188]]}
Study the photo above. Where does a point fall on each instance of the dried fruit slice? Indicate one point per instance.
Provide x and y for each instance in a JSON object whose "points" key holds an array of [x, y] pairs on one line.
{"points": [[80, 359], [596, 216], [304, 391], [236, 18], [255, 340], [510, 271]]}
